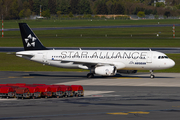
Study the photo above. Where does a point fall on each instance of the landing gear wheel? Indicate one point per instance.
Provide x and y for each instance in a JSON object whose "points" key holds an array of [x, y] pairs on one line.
{"points": [[90, 75], [152, 76]]}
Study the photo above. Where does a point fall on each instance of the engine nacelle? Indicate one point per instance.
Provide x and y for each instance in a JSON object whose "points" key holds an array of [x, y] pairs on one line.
{"points": [[105, 70], [127, 71]]}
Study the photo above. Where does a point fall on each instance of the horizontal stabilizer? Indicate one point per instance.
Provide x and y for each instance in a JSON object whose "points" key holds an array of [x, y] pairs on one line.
{"points": [[24, 53]]}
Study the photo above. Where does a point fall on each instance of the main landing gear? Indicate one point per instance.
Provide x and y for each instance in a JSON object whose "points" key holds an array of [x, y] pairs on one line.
{"points": [[152, 75], [90, 75]]}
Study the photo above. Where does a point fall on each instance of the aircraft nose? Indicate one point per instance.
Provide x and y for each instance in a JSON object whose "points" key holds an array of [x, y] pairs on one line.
{"points": [[171, 63]]}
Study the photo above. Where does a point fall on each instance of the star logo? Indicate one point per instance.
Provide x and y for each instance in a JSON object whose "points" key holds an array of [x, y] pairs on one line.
{"points": [[30, 41]]}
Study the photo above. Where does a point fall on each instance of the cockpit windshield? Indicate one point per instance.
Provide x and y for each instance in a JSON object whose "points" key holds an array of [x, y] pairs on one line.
{"points": [[162, 57]]}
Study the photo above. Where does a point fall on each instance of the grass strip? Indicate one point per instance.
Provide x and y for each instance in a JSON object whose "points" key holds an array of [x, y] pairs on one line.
{"points": [[117, 37]]}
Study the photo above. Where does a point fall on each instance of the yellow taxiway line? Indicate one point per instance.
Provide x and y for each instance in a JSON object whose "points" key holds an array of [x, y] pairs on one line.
{"points": [[126, 113]]}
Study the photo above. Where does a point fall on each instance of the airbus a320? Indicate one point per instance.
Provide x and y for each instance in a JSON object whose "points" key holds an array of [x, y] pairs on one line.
{"points": [[100, 62]]}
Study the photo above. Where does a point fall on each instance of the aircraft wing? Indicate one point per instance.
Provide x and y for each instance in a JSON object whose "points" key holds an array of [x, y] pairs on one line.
{"points": [[92, 63]]}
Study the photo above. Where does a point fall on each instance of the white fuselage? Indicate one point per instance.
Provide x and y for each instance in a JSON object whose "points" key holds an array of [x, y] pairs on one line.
{"points": [[85, 59]]}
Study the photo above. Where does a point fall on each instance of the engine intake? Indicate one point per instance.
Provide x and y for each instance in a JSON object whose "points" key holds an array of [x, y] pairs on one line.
{"points": [[105, 70]]}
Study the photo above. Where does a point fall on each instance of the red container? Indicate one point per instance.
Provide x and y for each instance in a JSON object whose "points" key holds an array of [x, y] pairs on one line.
{"points": [[6, 89], [22, 90], [77, 90], [70, 92], [56, 91], [45, 91], [3, 85], [63, 88], [20, 84], [44, 88], [54, 88], [67, 90], [32, 89], [77, 87]]}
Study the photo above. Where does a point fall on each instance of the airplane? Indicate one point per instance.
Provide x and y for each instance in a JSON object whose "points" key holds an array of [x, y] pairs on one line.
{"points": [[100, 62]]}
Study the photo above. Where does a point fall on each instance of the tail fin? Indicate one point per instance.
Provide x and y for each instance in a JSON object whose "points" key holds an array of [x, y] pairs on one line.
{"points": [[30, 40]]}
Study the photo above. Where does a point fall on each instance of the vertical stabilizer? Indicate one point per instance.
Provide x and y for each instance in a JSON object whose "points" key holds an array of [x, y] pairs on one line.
{"points": [[30, 40]]}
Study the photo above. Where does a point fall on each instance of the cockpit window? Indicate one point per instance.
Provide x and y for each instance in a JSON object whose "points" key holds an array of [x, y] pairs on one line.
{"points": [[162, 57]]}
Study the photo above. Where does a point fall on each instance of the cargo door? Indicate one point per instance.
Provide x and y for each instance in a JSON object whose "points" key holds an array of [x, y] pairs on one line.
{"points": [[149, 57]]}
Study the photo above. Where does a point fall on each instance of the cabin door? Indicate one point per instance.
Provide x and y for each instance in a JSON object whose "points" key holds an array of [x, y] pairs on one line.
{"points": [[149, 57]]}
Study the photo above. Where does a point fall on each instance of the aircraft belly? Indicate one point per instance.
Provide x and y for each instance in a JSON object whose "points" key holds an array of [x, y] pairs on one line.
{"points": [[134, 67]]}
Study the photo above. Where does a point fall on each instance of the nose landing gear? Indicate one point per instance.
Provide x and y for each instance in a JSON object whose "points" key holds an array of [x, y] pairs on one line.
{"points": [[152, 75]]}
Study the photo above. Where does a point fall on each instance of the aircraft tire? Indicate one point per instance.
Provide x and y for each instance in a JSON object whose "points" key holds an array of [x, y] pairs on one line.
{"points": [[90, 75], [152, 76]]}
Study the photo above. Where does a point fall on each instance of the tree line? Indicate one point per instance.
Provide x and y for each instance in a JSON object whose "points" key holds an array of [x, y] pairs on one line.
{"points": [[16, 9]]}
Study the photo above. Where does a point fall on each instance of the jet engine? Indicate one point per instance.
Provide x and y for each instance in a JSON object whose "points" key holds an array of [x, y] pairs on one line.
{"points": [[105, 70], [127, 71]]}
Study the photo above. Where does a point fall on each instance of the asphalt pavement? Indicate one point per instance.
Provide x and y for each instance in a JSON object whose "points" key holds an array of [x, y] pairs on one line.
{"points": [[92, 27], [124, 97]]}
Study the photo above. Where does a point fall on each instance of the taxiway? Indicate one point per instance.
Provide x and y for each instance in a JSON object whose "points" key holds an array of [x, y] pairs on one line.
{"points": [[121, 97]]}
